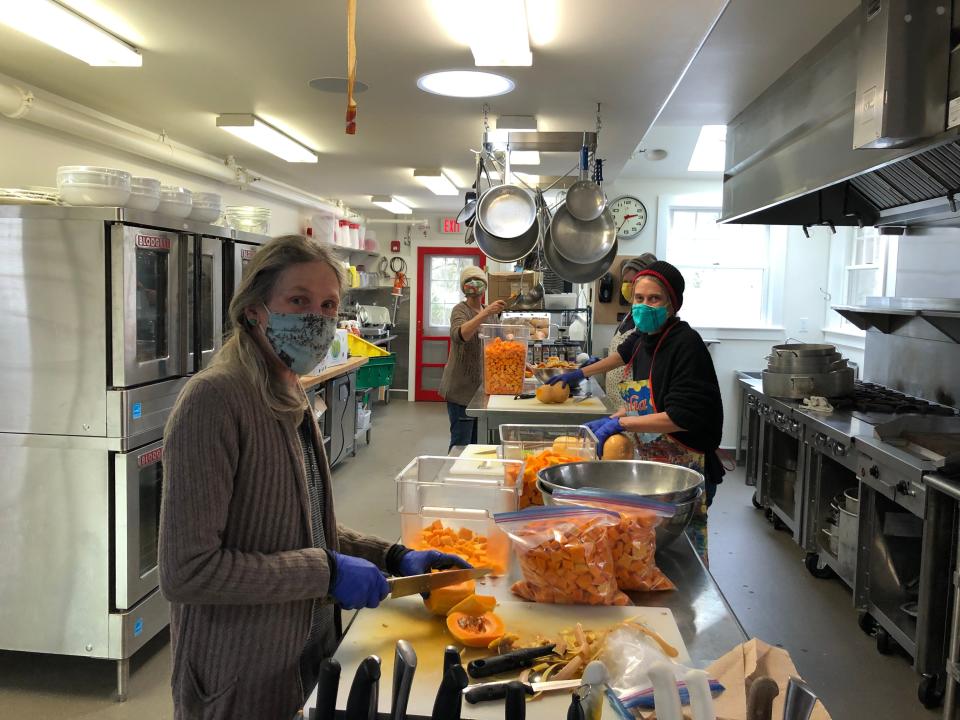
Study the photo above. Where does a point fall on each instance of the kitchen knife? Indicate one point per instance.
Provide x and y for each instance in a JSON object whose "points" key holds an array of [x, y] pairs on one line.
{"points": [[450, 694], [328, 681], [575, 711], [414, 584], [760, 699], [800, 700], [362, 701], [516, 660], [451, 657], [404, 666], [516, 701], [498, 690]]}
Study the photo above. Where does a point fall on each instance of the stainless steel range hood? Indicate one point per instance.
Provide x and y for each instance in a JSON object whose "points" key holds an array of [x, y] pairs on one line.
{"points": [[884, 80]]}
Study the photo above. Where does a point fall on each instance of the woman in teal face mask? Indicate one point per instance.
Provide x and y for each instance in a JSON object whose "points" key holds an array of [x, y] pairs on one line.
{"points": [[670, 393], [251, 557]]}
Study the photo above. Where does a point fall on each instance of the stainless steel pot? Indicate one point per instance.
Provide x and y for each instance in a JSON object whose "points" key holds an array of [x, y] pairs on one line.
{"points": [[814, 364], [797, 386], [802, 350], [505, 250], [583, 243], [507, 212], [575, 272]]}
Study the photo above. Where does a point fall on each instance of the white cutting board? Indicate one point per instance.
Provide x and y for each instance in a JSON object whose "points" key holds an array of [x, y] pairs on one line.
{"points": [[470, 461], [375, 632], [507, 402]]}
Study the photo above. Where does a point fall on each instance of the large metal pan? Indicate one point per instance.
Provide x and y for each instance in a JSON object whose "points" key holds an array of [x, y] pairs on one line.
{"points": [[575, 272], [505, 250], [816, 364], [583, 243], [507, 212], [803, 350], [585, 200], [797, 386]]}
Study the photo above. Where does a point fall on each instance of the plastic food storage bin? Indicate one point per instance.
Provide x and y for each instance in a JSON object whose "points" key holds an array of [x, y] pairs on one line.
{"points": [[504, 358], [448, 503], [520, 441]]}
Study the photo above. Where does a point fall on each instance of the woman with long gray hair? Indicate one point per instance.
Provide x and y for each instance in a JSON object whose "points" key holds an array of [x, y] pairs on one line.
{"points": [[251, 556]]}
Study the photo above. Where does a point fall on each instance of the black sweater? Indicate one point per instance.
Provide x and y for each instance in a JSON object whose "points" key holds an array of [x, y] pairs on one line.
{"points": [[684, 385]]}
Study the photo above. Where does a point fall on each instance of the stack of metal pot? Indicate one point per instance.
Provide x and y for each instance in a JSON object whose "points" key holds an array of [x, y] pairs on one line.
{"points": [[800, 370]]}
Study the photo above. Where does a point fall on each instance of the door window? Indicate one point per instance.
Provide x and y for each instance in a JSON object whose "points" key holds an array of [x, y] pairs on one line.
{"points": [[443, 284], [150, 488], [206, 301], [152, 304]]}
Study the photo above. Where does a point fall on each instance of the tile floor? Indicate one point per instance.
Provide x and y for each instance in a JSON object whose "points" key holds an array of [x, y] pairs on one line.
{"points": [[759, 569]]}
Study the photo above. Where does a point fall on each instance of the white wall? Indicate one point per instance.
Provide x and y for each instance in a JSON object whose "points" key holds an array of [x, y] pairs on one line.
{"points": [[30, 155], [928, 265]]}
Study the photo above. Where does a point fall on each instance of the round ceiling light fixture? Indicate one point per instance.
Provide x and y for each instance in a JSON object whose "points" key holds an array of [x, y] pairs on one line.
{"points": [[337, 85], [655, 155], [465, 83]]}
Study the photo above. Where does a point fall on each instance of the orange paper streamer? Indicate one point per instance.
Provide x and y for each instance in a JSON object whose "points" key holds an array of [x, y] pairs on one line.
{"points": [[351, 66]]}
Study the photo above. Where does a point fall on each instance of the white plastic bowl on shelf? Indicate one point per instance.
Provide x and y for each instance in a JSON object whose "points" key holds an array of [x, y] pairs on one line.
{"points": [[207, 207], [175, 201], [144, 194], [93, 185]]}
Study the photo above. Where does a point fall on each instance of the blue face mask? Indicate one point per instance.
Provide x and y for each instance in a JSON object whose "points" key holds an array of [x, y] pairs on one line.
{"points": [[649, 319], [301, 340]]}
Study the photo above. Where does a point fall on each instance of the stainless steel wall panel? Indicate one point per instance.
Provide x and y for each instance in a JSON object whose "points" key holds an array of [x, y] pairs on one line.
{"points": [[53, 338], [55, 539]]}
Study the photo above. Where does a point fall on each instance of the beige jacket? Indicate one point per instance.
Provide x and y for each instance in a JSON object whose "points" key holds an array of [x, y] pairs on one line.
{"points": [[237, 560]]}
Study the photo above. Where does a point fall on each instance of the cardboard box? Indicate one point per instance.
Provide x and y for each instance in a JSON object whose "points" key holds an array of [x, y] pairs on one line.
{"points": [[336, 355], [502, 285]]}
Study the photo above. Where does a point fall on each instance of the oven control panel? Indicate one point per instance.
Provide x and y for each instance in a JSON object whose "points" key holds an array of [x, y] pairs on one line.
{"points": [[907, 492]]}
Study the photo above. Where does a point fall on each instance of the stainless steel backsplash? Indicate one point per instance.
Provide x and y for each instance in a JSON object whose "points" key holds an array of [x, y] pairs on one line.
{"points": [[918, 360]]}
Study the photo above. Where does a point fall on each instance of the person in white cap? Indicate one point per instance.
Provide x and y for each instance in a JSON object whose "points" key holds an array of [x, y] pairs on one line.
{"points": [[464, 370]]}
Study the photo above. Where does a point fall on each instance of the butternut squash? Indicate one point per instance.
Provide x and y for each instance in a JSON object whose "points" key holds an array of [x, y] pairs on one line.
{"points": [[475, 630], [442, 600], [618, 447], [550, 394]]}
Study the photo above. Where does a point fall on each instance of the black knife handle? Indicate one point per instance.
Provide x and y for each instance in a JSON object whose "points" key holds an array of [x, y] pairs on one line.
{"points": [[575, 711], [328, 680], [451, 657], [516, 660], [450, 695], [363, 692], [491, 691], [516, 701]]}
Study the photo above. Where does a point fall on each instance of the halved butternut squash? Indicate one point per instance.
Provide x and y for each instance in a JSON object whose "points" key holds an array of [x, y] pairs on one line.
{"points": [[475, 630], [475, 605], [442, 600]]}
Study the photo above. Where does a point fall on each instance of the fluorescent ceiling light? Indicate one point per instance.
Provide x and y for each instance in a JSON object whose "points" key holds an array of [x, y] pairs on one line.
{"points": [[65, 30], [255, 131], [710, 153], [465, 83], [500, 36], [435, 181], [390, 204], [500, 136]]}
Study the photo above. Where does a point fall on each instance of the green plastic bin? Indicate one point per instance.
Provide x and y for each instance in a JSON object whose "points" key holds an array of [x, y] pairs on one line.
{"points": [[378, 372]]}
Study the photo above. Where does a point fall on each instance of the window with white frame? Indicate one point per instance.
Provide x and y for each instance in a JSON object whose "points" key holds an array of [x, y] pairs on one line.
{"points": [[860, 265], [726, 268]]}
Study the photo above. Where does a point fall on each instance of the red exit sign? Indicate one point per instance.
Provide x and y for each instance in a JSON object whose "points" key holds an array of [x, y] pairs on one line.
{"points": [[449, 226]]}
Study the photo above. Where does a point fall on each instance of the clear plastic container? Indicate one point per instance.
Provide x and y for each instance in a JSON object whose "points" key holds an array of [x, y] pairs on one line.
{"points": [[448, 503], [90, 185], [144, 194], [520, 441], [504, 358], [206, 207], [249, 219], [355, 235]]}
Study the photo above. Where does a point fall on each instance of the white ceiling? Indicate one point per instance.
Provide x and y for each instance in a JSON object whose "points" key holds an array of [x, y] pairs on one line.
{"points": [[753, 44], [207, 57]]}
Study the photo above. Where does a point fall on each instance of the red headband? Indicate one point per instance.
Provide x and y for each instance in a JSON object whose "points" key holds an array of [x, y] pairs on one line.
{"points": [[664, 282]]}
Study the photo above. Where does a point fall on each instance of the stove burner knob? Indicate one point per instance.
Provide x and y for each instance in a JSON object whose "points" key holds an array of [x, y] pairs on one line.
{"points": [[839, 449], [820, 440], [874, 472], [794, 425], [904, 488]]}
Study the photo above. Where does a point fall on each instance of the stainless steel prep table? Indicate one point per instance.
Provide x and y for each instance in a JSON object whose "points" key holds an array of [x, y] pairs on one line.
{"points": [[488, 420], [707, 623]]}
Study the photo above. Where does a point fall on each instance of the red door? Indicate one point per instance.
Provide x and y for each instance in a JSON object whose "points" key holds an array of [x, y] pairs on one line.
{"points": [[438, 291]]}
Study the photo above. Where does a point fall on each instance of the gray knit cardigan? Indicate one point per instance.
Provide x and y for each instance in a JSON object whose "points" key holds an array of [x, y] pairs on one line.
{"points": [[237, 560]]}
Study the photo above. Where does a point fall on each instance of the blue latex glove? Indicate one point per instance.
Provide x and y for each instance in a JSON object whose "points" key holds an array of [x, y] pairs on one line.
{"points": [[358, 584], [589, 361], [568, 378], [420, 562], [603, 429]]}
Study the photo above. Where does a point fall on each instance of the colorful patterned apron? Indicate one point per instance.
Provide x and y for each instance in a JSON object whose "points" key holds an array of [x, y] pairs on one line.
{"points": [[638, 399], [618, 375]]}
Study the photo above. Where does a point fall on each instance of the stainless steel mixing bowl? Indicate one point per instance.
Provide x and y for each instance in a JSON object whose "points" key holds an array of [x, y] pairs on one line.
{"points": [[679, 486]]}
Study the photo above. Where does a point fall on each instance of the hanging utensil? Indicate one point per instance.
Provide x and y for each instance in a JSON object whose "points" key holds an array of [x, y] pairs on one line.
{"points": [[501, 249], [582, 242], [571, 271], [585, 199], [468, 213]]}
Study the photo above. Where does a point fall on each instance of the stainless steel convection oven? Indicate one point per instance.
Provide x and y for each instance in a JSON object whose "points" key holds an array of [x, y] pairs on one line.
{"points": [[105, 314]]}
